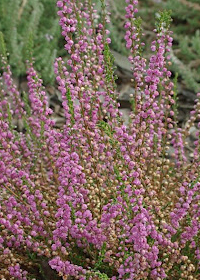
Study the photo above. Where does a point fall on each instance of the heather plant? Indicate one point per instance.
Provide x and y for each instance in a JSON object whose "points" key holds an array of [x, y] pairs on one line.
{"points": [[98, 199], [185, 26]]}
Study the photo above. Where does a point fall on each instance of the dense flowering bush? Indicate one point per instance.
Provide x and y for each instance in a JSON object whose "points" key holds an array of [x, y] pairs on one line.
{"points": [[98, 199]]}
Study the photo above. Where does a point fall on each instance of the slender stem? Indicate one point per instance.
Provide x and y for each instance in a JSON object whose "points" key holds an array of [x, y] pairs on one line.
{"points": [[21, 9]]}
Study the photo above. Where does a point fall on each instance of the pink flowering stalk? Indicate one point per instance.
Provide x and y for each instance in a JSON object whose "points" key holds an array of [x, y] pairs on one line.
{"points": [[98, 199]]}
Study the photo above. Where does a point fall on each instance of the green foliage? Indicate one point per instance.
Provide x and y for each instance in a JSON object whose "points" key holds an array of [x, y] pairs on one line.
{"points": [[163, 20], [9, 116], [109, 61], [30, 28], [175, 97], [102, 276], [2, 45], [101, 256], [106, 128], [70, 105]]}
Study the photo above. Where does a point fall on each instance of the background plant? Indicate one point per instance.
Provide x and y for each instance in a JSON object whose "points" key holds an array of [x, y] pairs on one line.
{"points": [[98, 199], [30, 24]]}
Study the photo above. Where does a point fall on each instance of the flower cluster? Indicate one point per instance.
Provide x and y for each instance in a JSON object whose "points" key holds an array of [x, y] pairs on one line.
{"points": [[99, 199]]}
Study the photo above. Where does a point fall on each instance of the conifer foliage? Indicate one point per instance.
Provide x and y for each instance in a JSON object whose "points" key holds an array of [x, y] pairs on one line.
{"points": [[30, 25]]}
